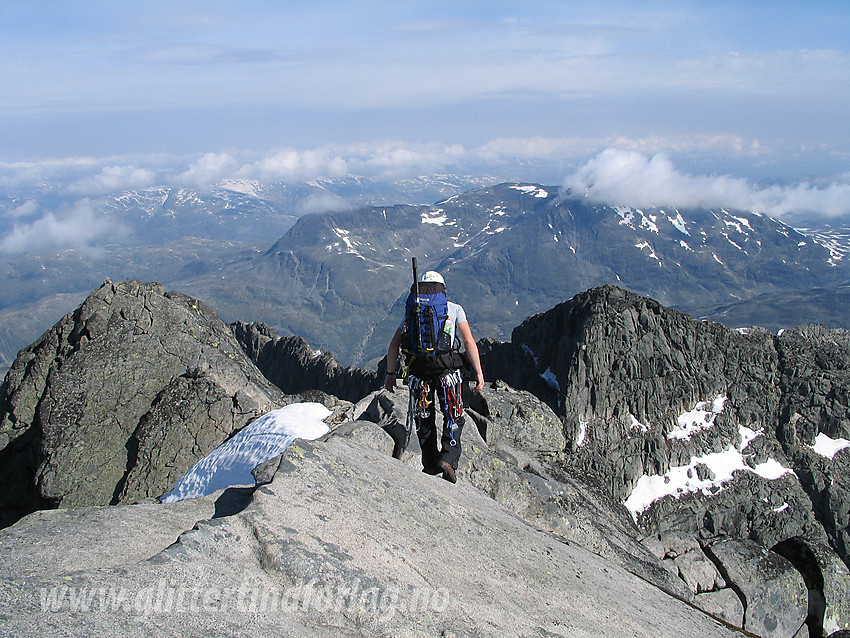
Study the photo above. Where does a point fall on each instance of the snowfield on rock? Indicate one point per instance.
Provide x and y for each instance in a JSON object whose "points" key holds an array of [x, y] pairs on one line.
{"points": [[686, 478], [232, 462]]}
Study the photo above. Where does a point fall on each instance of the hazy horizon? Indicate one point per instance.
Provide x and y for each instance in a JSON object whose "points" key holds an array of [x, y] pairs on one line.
{"points": [[675, 103]]}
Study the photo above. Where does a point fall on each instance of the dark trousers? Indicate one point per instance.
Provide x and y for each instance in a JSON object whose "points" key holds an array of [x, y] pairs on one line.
{"points": [[448, 447]]}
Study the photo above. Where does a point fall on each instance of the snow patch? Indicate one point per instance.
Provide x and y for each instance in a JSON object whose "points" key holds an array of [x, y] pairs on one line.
{"points": [[529, 351], [741, 222], [637, 425], [684, 479], [232, 462], [829, 447], [549, 377], [582, 433], [627, 217], [529, 189], [701, 417], [245, 186], [652, 252], [679, 224], [436, 217]]}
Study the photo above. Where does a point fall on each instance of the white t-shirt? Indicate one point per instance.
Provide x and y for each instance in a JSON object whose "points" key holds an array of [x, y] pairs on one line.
{"points": [[457, 315]]}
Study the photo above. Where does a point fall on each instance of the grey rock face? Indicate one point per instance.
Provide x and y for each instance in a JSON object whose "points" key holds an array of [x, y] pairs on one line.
{"points": [[699, 573], [120, 398], [518, 419], [522, 478], [827, 579], [776, 598], [293, 366], [626, 367], [367, 434], [620, 369], [724, 604], [330, 549]]}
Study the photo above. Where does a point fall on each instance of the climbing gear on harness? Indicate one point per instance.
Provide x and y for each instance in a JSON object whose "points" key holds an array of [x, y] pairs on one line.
{"points": [[421, 403]]}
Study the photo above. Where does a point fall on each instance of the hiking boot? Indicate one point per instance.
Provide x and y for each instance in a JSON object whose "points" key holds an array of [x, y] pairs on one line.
{"points": [[448, 472]]}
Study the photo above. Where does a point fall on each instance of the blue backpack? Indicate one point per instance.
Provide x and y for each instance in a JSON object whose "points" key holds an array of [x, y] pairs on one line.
{"points": [[424, 333], [425, 341]]}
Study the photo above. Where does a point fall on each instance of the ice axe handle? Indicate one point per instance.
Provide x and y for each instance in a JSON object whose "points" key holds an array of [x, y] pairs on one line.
{"points": [[416, 278]]}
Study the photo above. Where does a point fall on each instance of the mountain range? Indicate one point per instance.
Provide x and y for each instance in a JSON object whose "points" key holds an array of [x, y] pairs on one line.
{"points": [[507, 251]]}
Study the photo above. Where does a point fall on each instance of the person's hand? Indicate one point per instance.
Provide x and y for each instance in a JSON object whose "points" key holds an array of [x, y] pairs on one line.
{"points": [[479, 385], [389, 383]]}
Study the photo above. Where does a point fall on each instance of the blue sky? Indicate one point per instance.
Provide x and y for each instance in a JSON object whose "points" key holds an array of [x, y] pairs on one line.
{"points": [[751, 90]]}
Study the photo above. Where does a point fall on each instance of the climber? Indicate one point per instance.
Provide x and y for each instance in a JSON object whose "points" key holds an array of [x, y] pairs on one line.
{"points": [[431, 336]]}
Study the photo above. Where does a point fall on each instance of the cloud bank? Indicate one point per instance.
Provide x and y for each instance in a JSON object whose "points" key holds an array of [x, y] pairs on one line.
{"points": [[79, 227], [629, 178], [54, 204]]}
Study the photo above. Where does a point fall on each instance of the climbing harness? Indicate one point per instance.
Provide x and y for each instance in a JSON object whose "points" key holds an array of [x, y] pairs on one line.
{"points": [[421, 402]]}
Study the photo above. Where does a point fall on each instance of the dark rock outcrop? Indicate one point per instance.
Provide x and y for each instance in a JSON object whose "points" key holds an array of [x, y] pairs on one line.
{"points": [[293, 366], [622, 370], [120, 398]]}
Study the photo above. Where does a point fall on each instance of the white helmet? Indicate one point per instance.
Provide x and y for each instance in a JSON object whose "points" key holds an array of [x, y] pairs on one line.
{"points": [[432, 277]]}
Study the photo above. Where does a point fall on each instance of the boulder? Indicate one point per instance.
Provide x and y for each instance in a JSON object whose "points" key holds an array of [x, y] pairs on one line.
{"points": [[518, 419], [827, 579], [776, 598], [120, 398], [698, 572], [676, 543], [366, 433], [724, 604]]}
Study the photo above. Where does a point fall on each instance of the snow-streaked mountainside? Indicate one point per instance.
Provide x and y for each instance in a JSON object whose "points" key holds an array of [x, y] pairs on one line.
{"points": [[335, 278], [59, 241], [507, 252]]}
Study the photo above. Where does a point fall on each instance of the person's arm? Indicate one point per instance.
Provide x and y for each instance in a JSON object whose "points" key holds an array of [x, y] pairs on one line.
{"points": [[472, 353], [392, 360]]}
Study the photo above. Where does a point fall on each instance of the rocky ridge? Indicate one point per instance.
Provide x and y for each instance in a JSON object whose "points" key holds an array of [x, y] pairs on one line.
{"points": [[622, 370], [727, 550], [652, 398], [293, 366], [120, 398], [294, 563]]}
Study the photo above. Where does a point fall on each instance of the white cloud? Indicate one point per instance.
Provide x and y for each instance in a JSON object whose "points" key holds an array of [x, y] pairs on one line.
{"points": [[381, 160], [27, 209], [17, 174], [633, 171], [321, 203], [290, 164], [79, 227], [114, 179], [395, 159], [209, 169], [629, 178]]}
